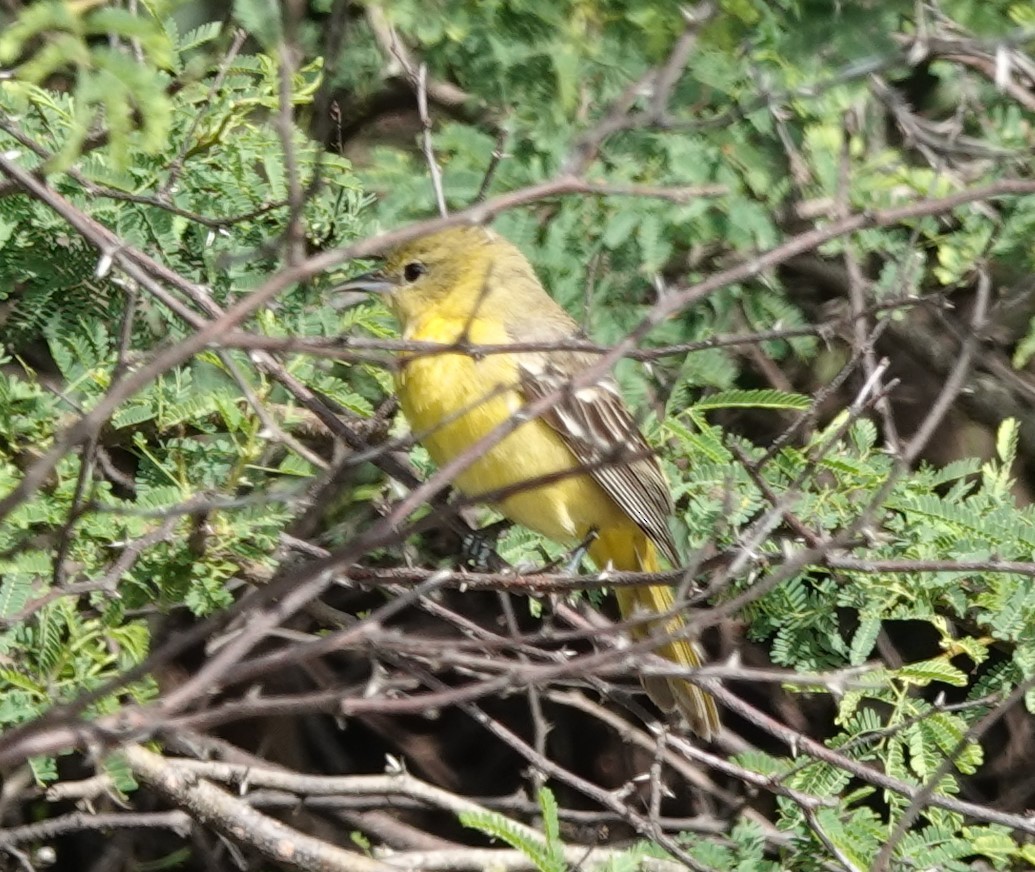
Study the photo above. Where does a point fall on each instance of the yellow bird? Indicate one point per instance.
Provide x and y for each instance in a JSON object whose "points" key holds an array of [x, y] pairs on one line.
{"points": [[471, 285]]}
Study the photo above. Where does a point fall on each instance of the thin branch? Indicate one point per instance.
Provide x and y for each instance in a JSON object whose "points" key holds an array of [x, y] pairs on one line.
{"points": [[239, 821], [434, 170], [79, 821]]}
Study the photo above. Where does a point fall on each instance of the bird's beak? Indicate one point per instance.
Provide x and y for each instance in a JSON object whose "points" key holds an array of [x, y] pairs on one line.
{"points": [[374, 282]]}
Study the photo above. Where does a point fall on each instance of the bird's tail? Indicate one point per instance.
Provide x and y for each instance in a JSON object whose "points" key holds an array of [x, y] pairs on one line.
{"points": [[636, 603]]}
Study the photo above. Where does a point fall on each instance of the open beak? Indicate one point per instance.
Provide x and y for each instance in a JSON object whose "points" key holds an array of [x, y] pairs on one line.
{"points": [[374, 282]]}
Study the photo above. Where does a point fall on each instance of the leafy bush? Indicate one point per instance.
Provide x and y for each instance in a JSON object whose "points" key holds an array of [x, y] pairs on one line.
{"points": [[841, 192]]}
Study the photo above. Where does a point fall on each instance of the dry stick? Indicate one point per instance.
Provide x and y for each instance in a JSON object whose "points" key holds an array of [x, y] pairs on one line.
{"points": [[256, 624], [517, 803], [989, 67], [543, 583], [271, 429], [499, 152], [421, 83], [550, 769], [535, 706], [418, 77], [22, 858], [243, 777], [84, 476], [812, 819], [926, 793], [388, 41], [314, 782], [508, 676], [1007, 567], [679, 755], [753, 469], [857, 287], [500, 860], [957, 376], [368, 815], [383, 351], [332, 702], [236, 819], [671, 71], [387, 827], [78, 821], [88, 452], [448, 654]]}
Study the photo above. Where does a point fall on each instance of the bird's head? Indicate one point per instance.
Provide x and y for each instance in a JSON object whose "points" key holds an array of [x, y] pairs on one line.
{"points": [[454, 272]]}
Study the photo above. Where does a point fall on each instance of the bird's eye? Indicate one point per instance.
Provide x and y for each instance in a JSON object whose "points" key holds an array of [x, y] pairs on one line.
{"points": [[413, 271]]}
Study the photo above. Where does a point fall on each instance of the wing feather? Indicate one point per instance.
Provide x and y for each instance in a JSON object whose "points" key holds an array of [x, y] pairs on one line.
{"points": [[597, 426]]}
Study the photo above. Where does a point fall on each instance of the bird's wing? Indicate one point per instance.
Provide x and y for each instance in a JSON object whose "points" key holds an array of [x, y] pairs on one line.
{"points": [[597, 426]]}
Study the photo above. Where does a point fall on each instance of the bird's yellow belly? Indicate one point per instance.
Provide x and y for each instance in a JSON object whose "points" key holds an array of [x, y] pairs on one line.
{"points": [[453, 401]]}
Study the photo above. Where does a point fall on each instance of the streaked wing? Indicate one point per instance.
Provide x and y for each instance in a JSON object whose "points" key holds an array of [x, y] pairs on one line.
{"points": [[598, 428]]}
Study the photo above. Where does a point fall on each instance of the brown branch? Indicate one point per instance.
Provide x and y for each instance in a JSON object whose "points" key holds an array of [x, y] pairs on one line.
{"points": [[240, 822], [244, 777], [79, 821], [384, 351], [434, 170], [445, 93]]}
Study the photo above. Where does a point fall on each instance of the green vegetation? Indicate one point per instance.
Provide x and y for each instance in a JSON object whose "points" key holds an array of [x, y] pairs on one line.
{"points": [[159, 168]]}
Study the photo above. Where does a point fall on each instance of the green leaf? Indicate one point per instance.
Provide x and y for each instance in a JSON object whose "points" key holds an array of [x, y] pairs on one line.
{"points": [[864, 639], [1006, 441], [116, 768], [753, 399], [497, 826], [44, 770], [923, 672]]}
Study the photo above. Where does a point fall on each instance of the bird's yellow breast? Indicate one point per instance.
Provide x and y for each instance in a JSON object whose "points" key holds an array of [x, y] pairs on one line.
{"points": [[453, 401]]}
